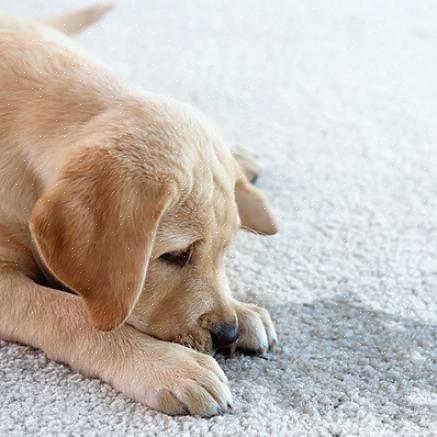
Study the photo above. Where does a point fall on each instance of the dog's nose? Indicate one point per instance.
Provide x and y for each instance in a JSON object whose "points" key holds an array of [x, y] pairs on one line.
{"points": [[224, 334]]}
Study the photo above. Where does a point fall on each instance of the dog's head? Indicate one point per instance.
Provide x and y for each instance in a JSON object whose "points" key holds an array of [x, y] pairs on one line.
{"points": [[138, 219]]}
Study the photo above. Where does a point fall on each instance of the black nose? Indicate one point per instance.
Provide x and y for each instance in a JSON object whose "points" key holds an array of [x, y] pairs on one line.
{"points": [[224, 334]]}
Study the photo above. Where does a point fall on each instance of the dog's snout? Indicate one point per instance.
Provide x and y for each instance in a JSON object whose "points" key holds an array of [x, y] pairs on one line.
{"points": [[224, 334]]}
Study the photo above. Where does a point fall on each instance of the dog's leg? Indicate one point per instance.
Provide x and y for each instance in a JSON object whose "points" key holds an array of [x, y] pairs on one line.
{"points": [[248, 163], [164, 376]]}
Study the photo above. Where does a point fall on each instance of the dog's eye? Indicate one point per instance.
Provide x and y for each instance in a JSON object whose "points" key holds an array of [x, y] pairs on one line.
{"points": [[179, 258]]}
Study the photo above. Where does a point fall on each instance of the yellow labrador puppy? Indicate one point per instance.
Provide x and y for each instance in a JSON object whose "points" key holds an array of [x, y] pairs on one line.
{"points": [[116, 208]]}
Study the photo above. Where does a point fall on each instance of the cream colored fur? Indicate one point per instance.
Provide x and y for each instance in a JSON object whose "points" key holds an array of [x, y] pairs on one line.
{"points": [[104, 190]]}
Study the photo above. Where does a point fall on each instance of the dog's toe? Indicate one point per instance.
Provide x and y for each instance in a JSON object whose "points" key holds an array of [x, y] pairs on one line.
{"points": [[257, 333]]}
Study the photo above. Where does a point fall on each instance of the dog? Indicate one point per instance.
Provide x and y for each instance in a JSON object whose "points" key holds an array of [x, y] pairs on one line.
{"points": [[116, 208]]}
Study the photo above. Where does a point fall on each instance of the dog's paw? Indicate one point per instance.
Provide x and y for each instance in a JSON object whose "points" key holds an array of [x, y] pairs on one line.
{"points": [[176, 380], [248, 163], [257, 333]]}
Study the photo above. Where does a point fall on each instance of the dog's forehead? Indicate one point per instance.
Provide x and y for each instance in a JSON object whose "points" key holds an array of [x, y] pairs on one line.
{"points": [[180, 141], [208, 201], [194, 155], [206, 208]]}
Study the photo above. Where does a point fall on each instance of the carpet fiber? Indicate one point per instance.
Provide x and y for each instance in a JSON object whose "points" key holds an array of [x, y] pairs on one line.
{"points": [[339, 101]]}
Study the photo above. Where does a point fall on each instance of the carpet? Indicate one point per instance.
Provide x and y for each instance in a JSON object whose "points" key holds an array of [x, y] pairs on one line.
{"points": [[338, 99]]}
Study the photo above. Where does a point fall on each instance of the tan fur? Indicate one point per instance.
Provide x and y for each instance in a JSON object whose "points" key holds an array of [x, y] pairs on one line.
{"points": [[74, 22], [98, 183]]}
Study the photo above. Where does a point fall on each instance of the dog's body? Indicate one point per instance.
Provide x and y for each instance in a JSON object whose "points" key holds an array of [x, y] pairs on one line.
{"points": [[127, 199]]}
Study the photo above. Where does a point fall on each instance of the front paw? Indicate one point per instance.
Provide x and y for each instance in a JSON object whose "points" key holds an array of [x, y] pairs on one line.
{"points": [[175, 380], [257, 333]]}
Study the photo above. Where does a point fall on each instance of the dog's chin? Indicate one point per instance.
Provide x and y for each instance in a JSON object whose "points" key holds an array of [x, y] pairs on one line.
{"points": [[200, 343], [192, 339], [206, 347]]}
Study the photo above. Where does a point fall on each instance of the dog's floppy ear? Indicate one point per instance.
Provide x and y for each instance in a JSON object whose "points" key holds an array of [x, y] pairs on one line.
{"points": [[94, 230], [254, 209]]}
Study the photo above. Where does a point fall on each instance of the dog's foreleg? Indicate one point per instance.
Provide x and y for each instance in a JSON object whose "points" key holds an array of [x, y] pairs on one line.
{"points": [[164, 376]]}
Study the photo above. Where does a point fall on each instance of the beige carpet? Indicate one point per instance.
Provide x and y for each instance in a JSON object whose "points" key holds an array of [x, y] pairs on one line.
{"points": [[340, 101]]}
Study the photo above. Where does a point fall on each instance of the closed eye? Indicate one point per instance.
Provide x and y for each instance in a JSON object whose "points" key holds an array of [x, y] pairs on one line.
{"points": [[178, 258]]}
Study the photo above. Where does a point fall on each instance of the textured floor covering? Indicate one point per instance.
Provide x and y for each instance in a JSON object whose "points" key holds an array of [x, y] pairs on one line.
{"points": [[339, 100]]}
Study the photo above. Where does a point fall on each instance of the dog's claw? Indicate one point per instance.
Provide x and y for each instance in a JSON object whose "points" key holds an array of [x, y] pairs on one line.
{"points": [[264, 357], [262, 351]]}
